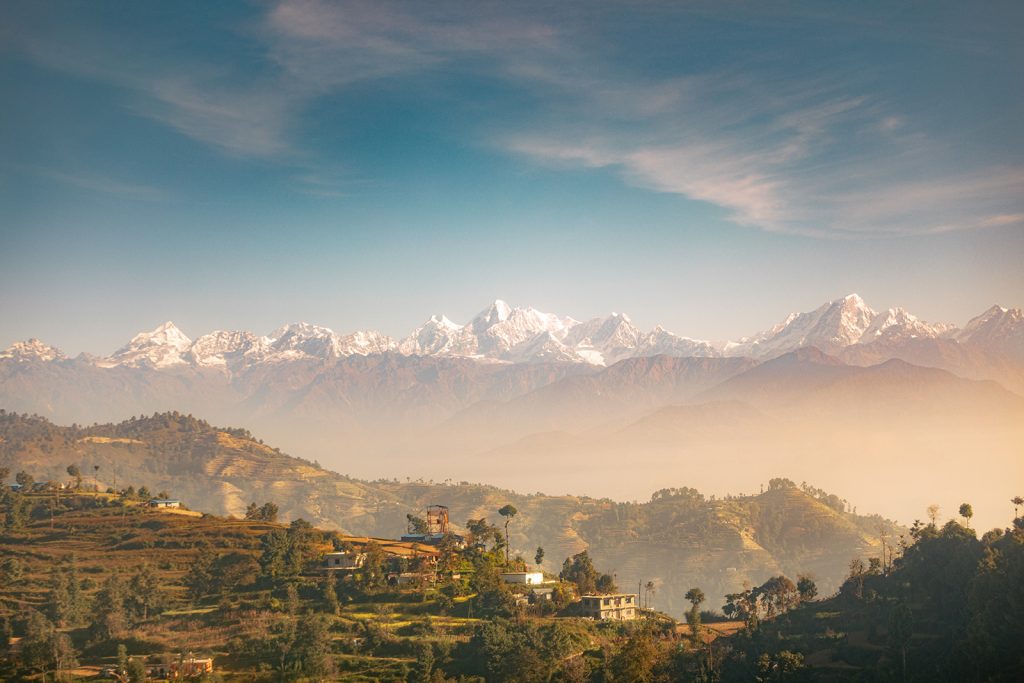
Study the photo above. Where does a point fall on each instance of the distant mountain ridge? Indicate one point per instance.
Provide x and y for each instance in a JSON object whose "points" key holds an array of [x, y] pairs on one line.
{"points": [[617, 431], [503, 333]]}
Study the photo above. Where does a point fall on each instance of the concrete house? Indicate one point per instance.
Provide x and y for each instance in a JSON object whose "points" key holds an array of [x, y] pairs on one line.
{"points": [[165, 503], [529, 578], [343, 561], [620, 607]]}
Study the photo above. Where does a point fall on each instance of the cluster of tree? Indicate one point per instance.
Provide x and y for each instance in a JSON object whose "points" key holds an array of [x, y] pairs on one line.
{"points": [[213, 575], [27, 483], [299, 646], [679, 495], [142, 493], [645, 651], [775, 596], [43, 647], [961, 591], [286, 552], [416, 525], [945, 609], [579, 570], [15, 510], [830, 499], [262, 513], [527, 651], [120, 604], [480, 532], [18, 430]]}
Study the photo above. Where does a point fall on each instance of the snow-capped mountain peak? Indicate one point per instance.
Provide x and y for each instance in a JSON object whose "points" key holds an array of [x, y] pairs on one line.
{"points": [[228, 349], [997, 329], [506, 333], [298, 341], [32, 350], [364, 343], [661, 341], [165, 334], [994, 317], [830, 327], [161, 347], [854, 318], [497, 312], [438, 336], [897, 325], [443, 322], [301, 331], [855, 299], [501, 328]]}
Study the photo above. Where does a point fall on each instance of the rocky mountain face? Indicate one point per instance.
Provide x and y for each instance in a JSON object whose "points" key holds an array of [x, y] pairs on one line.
{"points": [[677, 540]]}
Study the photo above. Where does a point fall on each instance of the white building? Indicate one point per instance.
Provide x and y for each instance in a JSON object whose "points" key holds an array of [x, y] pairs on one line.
{"points": [[164, 503], [343, 560], [530, 578], [620, 607]]}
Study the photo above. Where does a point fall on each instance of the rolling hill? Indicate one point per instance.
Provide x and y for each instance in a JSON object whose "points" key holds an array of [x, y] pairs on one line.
{"points": [[675, 541]]}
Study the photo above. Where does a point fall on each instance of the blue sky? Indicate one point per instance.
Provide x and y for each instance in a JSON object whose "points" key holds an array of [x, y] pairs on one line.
{"points": [[706, 166]]}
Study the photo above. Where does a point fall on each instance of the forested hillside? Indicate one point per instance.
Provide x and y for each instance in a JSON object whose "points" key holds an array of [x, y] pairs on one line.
{"points": [[949, 607], [676, 540]]}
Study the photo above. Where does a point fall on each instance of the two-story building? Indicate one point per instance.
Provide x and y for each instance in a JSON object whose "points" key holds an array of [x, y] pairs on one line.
{"points": [[619, 607]]}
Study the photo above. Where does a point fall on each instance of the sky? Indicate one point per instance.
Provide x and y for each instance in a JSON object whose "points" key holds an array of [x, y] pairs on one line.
{"points": [[706, 166]]}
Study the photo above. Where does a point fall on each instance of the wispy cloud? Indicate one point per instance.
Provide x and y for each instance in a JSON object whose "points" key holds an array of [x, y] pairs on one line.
{"points": [[811, 153], [954, 201], [306, 49], [100, 183], [790, 156], [247, 122], [330, 44]]}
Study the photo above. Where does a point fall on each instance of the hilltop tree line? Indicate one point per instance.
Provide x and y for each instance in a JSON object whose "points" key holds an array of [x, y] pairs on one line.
{"points": [[946, 608], [187, 441]]}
